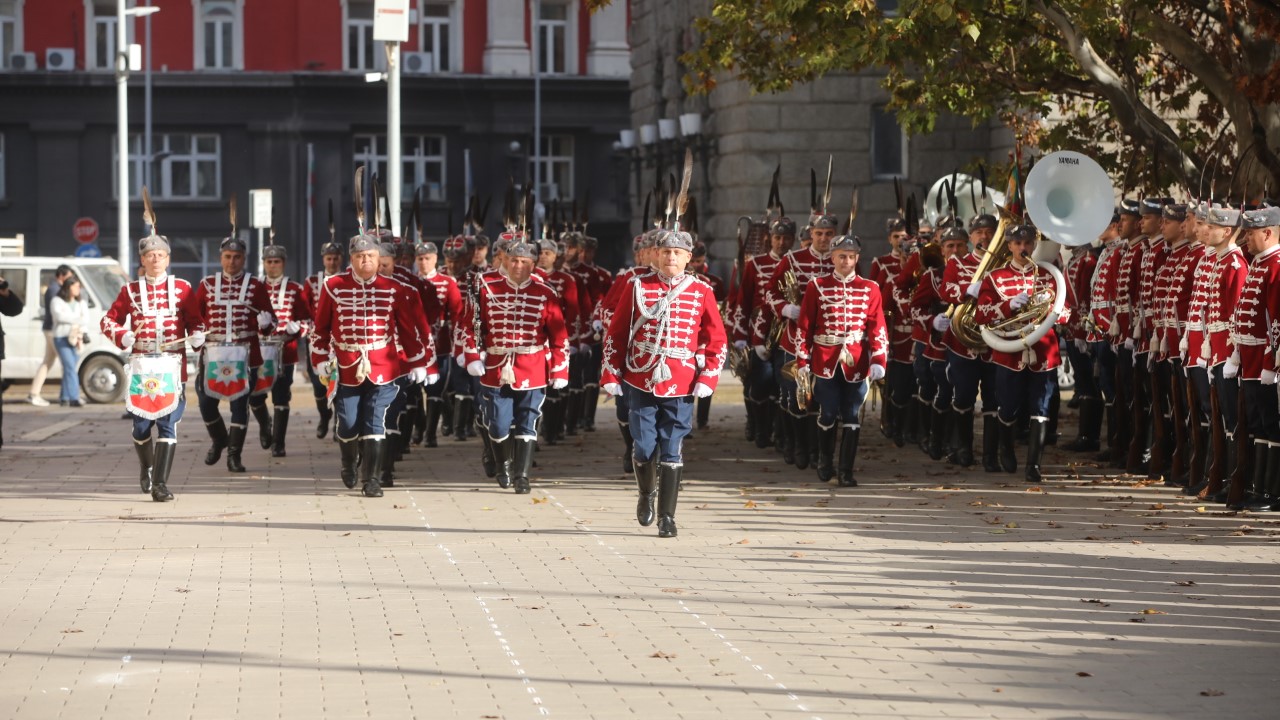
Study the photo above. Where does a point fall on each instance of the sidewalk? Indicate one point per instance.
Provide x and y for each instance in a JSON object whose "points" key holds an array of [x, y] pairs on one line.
{"points": [[925, 592]]}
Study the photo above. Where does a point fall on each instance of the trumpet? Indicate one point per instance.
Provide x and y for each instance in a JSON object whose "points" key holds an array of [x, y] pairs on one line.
{"points": [[791, 291]]}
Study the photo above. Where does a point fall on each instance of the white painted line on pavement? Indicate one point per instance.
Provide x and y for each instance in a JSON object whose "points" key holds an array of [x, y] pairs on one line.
{"points": [[49, 431]]}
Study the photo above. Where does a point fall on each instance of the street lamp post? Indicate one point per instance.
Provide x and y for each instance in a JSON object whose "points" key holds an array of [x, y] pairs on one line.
{"points": [[122, 127]]}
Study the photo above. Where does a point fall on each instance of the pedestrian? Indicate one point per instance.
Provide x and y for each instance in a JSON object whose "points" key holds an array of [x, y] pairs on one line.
{"points": [[50, 352], [70, 321], [11, 305]]}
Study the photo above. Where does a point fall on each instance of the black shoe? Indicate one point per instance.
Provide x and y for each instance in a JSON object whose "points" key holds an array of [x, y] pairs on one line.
{"points": [[146, 461], [326, 415], [487, 460], [218, 434], [1036, 434], [160, 471], [668, 492], [373, 452], [628, 444], [279, 426], [503, 455], [826, 453], [350, 451], [264, 424], [235, 445]]}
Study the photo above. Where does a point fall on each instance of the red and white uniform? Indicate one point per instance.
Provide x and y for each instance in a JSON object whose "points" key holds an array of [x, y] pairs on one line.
{"points": [[566, 288], [597, 279], [1229, 272], [1256, 321], [659, 332], [1126, 293], [229, 307], [926, 302], [956, 279], [717, 285], [605, 309], [1102, 289], [358, 320], [884, 273], [999, 287], [1079, 277], [842, 327], [1195, 335], [156, 311], [807, 265], [289, 301], [756, 273], [1148, 306], [1175, 282], [450, 299], [524, 336]]}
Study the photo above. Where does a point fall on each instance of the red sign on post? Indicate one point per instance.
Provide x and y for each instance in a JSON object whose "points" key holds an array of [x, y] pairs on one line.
{"points": [[85, 230]]}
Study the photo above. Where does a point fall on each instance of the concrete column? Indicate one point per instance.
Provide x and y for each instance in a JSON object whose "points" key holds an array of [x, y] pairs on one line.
{"points": [[506, 52], [608, 54]]}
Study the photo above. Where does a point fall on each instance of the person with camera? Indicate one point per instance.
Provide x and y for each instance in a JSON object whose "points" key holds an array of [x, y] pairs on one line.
{"points": [[70, 320], [11, 305]]}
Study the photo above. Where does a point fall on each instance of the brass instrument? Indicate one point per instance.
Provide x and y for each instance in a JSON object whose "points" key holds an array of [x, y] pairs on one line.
{"points": [[739, 362], [803, 378], [793, 292]]}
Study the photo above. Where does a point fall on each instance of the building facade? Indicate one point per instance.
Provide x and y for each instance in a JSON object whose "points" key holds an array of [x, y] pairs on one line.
{"points": [[273, 94]]}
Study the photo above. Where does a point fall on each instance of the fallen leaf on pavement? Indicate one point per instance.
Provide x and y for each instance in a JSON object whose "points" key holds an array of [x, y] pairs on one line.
{"points": [[960, 606], [749, 504], [665, 656], [676, 591], [1036, 489], [1011, 525], [1202, 509], [806, 542], [1185, 583], [1139, 619], [1095, 602], [1157, 506], [797, 554], [743, 541], [1153, 611], [1212, 693], [1084, 674], [539, 501]]}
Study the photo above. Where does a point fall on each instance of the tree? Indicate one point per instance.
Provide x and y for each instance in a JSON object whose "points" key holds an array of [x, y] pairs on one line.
{"points": [[1184, 89]]}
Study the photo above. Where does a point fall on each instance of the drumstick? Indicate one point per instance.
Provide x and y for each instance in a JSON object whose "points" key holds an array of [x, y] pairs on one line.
{"points": [[173, 343]]}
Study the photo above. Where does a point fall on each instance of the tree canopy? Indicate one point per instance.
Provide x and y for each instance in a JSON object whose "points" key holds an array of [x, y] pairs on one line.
{"points": [[1183, 89]]}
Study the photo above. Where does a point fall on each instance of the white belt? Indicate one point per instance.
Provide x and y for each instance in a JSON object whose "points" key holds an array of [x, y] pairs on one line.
{"points": [[838, 340], [520, 350], [362, 347], [1247, 340], [674, 353], [1101, 305], [1220, 326], [219, 337]]}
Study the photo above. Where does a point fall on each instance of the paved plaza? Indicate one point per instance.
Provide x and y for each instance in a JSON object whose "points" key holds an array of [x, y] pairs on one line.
{"points": [[925, 592]]}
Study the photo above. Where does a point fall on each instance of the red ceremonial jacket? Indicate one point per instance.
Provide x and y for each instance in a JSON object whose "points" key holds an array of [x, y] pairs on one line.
{"points": [[998, 288], [956, 279], [523, 334], [1153, 258], [842, 326], [166, 305], [756, 273], [658, 332], [289, 301], [1126, 294], [451, 308], [1256, 321], [1198, 351], [1102, 290], [1175, 282], [358, 318], [566, 288], [1229, 272], [927, 302], [806, 264], [244, 297]]}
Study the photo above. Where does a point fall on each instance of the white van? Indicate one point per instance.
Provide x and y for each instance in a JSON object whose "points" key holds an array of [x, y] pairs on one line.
{"points": [[101, 362]]}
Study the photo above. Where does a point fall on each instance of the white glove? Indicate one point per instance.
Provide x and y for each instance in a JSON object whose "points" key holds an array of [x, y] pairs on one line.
{"points": [[875, 373], [941, 323], [597, 326], [740, 344], [972, 290], [1269, 377], [1231, 367], [702, 391], [264, 320], [417, 375], [1018, 301], [461, 359], [559, 383], [700, 360], [196, 339], [613, 389], [1183, 345], [432, 379], [1082, 346], [127, 339], [791, 312], [293, 327], [324, 368], [761, 352], [585, 349], [475, 368], [1128, 343]]}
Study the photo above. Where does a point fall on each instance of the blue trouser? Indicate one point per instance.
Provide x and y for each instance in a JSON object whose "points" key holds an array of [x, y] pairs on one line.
{"points": [[1199, 379], [967, 376], [941, 396], [239, 407], [1015, 387], [622, 410], [1082, 366], [362, 410], [658, 425], [167, 426], [1104, 359], [68, 356], [926, 386], [838, 400], [398, 404], [1228, 398], [511, 410], [461, 383], [763, 384], [281, 389], [786, 388]]}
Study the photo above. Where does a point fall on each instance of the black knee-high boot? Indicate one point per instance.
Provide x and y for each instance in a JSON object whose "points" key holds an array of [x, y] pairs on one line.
{"points": [[146, 460], [848, 455], [629, 443], [264, 424], [160, 470], [235, 446], [647, 481], [668, 491], [279, 426], [350, 451], [218, 434], [372, 453]]}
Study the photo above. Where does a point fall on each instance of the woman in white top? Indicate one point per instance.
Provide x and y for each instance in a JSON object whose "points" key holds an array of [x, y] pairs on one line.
{"points": [[70, 321]]}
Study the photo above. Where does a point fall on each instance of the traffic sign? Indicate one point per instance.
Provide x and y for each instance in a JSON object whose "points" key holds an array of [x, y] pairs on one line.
{"points": [[391, 20], [260, 209], [85, 231], [89, 250]]}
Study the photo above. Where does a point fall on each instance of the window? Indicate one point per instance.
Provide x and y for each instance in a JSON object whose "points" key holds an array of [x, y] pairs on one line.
{"points": [[219, 41], [553, 38], [422, 159], [888, 144], [10, 30], [187, 166], [363, 53], [17, 279], [555, 176], [437, 26], [100, 34]]}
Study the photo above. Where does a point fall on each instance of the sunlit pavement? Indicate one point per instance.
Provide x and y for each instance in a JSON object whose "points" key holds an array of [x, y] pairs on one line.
{"points": [[925, 592]]}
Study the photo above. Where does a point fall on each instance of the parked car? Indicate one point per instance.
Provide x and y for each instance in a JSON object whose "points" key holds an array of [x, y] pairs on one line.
{"points": [[101, 364]]}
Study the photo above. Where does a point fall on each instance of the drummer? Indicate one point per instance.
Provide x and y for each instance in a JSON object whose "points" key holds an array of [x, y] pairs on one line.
{"points": [[293, 318], [235, 307], [151, 317]]}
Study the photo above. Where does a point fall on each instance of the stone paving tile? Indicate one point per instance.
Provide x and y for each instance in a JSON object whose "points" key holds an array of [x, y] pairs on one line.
{"points": [[927, 592]]}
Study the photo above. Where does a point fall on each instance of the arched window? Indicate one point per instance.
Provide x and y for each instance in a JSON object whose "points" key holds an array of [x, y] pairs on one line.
{"points": [[219, 34]]}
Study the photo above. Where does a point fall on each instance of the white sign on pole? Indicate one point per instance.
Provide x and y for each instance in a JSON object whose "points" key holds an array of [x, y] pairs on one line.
{"points": [[260, 209], [391, 20]]}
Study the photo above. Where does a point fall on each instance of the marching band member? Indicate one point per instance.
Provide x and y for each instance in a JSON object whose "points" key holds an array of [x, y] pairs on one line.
{"points": [[762, 387], [899, 381], [361, 317], [928, 309], [1230, 269], [698, 266], [576, 328], [234, 307], [522, 347], [1079, 273], [966, 368], [1192, 351], [1153, 391], [426, 256], [1175, 280], [649, 354], [293, 318], [843, 344], [331, 257], [154, 314], [1027, 376], [1133, 428], [1103, 309]]}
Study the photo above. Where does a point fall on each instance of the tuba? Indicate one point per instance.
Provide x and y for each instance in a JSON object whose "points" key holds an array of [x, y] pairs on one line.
{"points": [[1070, 200]]}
